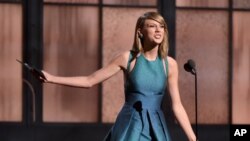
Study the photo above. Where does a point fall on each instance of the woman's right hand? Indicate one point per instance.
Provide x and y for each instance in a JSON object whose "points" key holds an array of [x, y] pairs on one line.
{"points": [[46, 77]]}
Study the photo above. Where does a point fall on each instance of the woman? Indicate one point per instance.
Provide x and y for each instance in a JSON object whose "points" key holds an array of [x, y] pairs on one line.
{"points": [[148, 70]]}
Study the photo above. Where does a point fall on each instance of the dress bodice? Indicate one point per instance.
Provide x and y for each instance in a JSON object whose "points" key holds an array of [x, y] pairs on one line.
{"points": [[141, 117], [147, 77]]}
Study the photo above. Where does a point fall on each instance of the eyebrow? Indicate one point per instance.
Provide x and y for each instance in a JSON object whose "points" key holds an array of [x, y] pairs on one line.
{"points": [[155, 23]]}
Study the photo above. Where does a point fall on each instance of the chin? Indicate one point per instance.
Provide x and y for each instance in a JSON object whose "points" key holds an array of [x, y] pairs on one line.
{"points": [[158, 42]]}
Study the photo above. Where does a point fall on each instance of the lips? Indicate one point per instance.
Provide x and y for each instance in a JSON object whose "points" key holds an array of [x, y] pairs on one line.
{"points": [[157, 36]]}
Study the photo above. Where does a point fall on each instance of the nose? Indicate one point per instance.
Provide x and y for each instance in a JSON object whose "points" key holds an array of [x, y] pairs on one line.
{"points": [[158, 28]]}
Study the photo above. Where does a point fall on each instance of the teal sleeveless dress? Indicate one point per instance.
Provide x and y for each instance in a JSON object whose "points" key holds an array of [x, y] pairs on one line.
{"points": [[141, 117]]}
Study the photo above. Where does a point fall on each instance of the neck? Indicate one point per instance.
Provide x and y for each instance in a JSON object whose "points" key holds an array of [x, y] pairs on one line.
{"points": [[151, 54]]}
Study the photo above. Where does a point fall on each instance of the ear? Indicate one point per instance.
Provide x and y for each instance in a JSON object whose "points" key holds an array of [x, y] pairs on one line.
{"points": [[139, 33]]}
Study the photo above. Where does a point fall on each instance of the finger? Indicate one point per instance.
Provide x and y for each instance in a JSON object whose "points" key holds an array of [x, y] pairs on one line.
{"points": [[41, 79]]}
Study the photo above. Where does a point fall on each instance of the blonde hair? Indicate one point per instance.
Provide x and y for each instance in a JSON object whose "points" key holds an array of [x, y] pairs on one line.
{"points": [[163, 47]]}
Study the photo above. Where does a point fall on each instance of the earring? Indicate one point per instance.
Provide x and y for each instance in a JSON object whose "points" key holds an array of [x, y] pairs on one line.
{"points": [[140, 35]]}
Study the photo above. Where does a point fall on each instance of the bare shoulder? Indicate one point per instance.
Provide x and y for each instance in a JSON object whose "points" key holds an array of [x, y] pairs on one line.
{"points": [[172, 62], [125, 55], [173, 66], [122, 59]]}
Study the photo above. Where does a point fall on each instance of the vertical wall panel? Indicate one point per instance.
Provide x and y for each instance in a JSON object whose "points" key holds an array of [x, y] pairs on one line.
{"points": [[241, 4], [131, 2], [203, 36], [241, 68], [202, 3], [11, 71], [118, 35], [72, 1], [70, 49]]}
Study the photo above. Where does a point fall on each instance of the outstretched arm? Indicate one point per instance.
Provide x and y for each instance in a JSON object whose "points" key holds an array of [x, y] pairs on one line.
{"points": [[88, 81], [178, 108]]}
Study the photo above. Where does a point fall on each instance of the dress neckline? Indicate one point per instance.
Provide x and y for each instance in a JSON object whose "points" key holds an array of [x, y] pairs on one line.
{"points": [[148, 59]]}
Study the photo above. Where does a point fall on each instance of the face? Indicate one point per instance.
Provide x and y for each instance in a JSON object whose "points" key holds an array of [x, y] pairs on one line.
{"points": [[153, 32]]}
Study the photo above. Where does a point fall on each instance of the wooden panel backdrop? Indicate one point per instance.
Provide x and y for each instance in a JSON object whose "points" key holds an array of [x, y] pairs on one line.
{"points": [[203, 36], [72, 1], [241, 4], [202, 3], [131, 2], [241, 68], [70, 49], [11, 71]]}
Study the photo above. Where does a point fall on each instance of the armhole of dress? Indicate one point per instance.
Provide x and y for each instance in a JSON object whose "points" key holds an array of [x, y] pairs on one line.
{"points": [[165, 66], [129, 61], [131, 58]]}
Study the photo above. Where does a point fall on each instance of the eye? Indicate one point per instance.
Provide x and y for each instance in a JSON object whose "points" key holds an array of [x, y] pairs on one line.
{"points": [[151, 25], [155, 26]]}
